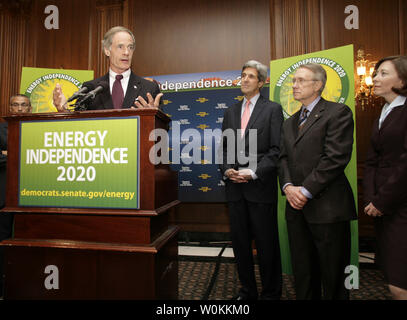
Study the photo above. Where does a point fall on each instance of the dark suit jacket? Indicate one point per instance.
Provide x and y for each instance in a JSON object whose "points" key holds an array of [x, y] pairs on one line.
{"points": [[137, 87], [266, 118], [385, 174], [316, 158], [3, 162]]}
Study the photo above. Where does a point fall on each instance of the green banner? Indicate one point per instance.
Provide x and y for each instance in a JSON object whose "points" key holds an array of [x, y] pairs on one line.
{"points": [[338, 64], [90, 163], [39, 83]]}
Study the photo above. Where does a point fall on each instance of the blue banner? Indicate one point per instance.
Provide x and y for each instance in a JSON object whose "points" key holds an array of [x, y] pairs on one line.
{"points": [[196, 104]]}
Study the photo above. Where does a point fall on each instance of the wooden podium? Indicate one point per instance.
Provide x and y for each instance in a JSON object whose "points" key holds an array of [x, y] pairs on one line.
{"points": [[92, 253]]}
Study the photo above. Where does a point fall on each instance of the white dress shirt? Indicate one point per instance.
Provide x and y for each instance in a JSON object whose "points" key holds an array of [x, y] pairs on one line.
{"points": [[253, 102], [124, 81]]}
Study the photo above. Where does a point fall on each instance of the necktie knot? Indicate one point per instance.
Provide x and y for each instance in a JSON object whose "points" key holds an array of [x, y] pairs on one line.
{"points": [[119, 77]]}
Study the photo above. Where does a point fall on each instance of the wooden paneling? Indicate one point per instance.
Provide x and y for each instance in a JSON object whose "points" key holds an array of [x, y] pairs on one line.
{"points": [[297, 28], [188, 36], [13, 49], [66, 47], [106, 15], [403, 26], [378, 32]]}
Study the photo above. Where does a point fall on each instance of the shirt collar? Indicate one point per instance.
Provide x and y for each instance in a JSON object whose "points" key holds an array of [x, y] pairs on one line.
{"points": [[399, 101], [125, 74], [253, 100], [313, 104]]}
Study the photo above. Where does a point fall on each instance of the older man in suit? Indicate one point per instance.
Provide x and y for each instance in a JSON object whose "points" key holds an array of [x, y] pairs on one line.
{"points": [[250, 157], [316, 146], [126, 89]]}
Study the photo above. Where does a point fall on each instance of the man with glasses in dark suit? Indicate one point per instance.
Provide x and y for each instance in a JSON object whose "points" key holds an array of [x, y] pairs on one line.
{"points": [[316, 146]]}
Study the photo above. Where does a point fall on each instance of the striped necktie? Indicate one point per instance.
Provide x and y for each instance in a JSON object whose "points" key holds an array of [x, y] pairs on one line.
{"points": [[303, 117]]}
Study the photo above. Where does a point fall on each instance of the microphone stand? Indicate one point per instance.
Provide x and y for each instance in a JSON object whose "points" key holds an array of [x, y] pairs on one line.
{"points": [[80, 103]]}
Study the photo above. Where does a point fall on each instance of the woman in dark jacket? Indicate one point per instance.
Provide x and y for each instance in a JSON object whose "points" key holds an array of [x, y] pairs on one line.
{"points": [[385, 180]]}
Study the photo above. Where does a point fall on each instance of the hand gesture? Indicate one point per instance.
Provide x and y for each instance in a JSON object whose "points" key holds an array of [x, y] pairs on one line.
{"points": [[59, 99], [140, 102]]}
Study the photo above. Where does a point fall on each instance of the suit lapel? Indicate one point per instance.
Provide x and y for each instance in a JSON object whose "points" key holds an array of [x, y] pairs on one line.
{"points": [[295, 118], [314, 116], [105, 97], [132, 92], [255, 114], [390, 116], [238, 116]]}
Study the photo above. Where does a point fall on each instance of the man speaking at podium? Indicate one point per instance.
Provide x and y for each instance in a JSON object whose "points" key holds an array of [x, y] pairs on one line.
{"points": [[120, 88]]}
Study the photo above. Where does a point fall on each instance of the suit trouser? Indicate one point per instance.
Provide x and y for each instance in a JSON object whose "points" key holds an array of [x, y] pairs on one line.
{"points": [[258, 221], [319, 255]]}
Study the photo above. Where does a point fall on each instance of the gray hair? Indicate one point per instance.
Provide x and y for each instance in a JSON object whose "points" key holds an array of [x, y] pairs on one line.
{"points": [[107, 39], [261, 69], [319, 73]]}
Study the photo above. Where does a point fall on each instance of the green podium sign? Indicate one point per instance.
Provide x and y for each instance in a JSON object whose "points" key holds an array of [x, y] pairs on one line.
{"points": [[91, 163]]}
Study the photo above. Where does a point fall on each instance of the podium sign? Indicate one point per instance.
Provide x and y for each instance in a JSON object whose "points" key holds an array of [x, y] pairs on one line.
{"points": [[80, 163]]}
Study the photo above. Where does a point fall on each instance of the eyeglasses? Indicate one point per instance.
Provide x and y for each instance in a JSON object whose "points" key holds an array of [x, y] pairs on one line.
{"points": [[301, 81]]}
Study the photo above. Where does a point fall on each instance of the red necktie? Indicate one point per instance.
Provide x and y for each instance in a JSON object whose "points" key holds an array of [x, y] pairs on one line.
{"points": [[245, 117], [117, 92]]}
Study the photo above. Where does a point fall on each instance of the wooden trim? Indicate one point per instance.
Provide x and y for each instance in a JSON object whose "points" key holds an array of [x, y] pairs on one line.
{"points": [[154, 247], [13, 52], [401, 27], [93, 211], [276, 30], [126, 13], [322, 23], [296, 27], [313, 26], [107, 14], [89, 114]]}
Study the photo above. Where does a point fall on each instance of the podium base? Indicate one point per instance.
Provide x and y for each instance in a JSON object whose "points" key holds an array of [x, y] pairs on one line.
{"points": [[61, 269]]}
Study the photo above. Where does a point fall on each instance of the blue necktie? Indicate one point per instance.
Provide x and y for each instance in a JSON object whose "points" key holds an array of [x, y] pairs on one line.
{"points": [[303, 117]]}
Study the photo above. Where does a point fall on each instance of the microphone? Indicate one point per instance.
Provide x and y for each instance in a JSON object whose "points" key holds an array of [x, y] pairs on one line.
{"points": [[102, 86], [86, 86]]}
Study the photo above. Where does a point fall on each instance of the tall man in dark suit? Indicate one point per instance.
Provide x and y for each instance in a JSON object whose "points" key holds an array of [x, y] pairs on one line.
{"points": [[252, 129], [126, 89], [316, 146]]}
